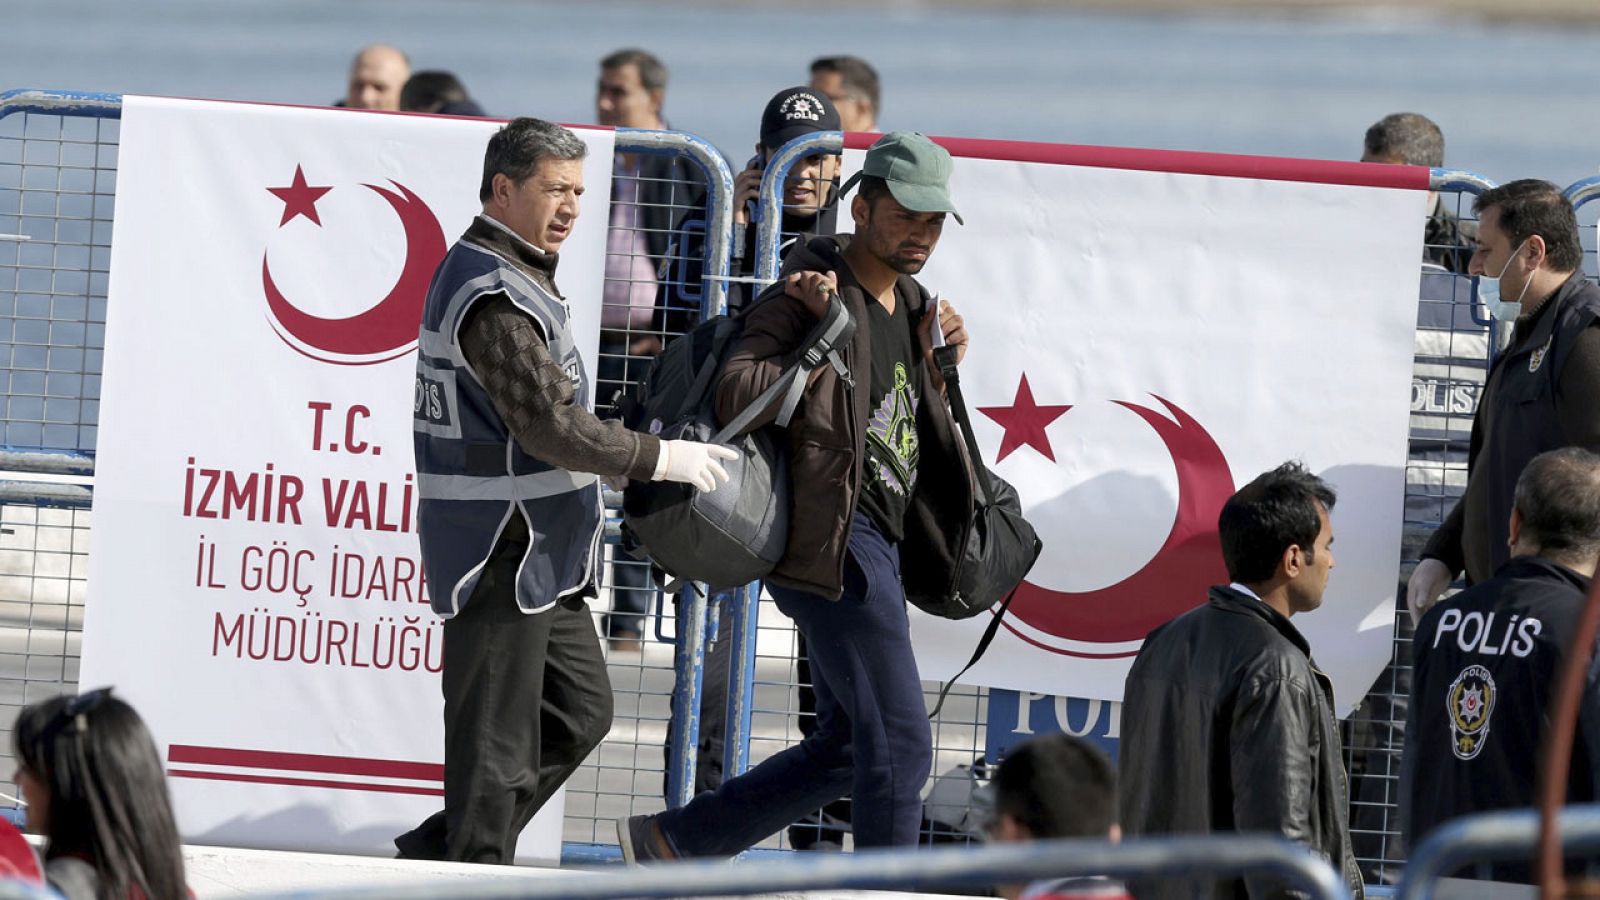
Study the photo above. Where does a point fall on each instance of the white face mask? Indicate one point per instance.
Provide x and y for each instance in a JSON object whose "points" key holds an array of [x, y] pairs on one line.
{"points": [[1489, 292]]}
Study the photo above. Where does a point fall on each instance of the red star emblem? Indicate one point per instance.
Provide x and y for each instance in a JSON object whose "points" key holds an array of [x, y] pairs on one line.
{"points": [[1024, 422], [299, 199]]}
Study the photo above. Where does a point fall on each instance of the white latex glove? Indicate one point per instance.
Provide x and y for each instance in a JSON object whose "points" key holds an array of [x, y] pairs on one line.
{"points": [[692, 462], [1428, 582]]}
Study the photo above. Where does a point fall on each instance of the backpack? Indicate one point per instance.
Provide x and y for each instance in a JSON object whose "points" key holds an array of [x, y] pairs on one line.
{"points": [[737, 533]]}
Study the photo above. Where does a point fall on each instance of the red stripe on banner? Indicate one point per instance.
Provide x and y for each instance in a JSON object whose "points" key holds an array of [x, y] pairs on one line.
{"points": [[305, 762], [306, 782], [1182, 162], [374, 112]]}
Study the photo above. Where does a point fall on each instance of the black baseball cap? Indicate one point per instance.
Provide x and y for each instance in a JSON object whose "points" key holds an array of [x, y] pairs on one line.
{"points": [[796, 111]]}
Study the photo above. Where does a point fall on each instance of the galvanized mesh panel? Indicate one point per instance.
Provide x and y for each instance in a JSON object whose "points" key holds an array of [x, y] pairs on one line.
{"points": [[44, 557], [653, 292], [1453, 344], [57, 182]]}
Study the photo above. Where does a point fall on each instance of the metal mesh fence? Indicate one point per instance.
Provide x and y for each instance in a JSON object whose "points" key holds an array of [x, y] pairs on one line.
{"points": [[57, 180], [57, 186], [653, 292]]}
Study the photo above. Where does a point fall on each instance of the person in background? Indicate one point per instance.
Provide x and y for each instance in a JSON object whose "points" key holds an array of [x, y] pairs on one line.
{"points": [[377, 75], [1050, 787], [1410, 139], [440, 93], [1486, 662], [852, 84], [1227, 722], [95, 788]]}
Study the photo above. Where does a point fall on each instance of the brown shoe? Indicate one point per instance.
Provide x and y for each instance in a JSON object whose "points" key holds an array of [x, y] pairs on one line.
{"points": [[642, 842]]}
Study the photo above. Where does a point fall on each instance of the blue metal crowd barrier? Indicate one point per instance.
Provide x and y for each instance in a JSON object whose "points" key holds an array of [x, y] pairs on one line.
{"points": [[77, 461], [957, 867], [1486, 838]]}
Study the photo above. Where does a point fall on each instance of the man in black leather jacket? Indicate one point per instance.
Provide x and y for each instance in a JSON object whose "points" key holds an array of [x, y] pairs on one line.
{"points": [[1227, 724]]}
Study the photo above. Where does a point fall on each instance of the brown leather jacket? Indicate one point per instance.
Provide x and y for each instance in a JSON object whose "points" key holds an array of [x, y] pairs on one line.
{"points": [[827, 436]]}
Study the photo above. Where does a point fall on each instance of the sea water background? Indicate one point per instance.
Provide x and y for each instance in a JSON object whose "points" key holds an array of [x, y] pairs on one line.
{"points": [[1513, 100]]}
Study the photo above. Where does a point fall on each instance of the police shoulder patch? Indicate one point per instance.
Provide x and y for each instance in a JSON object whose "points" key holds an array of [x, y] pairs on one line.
{"points": [[1470, 703]]}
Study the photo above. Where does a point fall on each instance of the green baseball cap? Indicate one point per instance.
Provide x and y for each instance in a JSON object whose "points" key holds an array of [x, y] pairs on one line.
{"points": [[916, 170]]}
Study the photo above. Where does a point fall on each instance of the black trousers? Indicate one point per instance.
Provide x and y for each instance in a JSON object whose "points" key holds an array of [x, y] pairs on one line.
{"points": [[526, 698]]}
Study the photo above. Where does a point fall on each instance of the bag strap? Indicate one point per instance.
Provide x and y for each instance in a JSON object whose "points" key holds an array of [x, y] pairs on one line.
{"points": [[823, 344], [945, 358], [702, 380], [977, 653]]}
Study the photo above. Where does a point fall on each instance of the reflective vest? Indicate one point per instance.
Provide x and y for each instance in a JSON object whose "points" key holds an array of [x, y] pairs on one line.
{"points": [[471, 475]]}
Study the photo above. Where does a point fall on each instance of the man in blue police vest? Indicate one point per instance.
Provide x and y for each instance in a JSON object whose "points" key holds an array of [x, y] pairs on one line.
{"points": [[508, 450]]}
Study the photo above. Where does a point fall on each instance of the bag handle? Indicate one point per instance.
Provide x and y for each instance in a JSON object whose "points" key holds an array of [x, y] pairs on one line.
{"points": [[822, 344]]}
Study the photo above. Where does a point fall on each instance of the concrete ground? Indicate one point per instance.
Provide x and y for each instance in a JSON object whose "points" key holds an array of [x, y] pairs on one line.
{"points": [[222, 872]]}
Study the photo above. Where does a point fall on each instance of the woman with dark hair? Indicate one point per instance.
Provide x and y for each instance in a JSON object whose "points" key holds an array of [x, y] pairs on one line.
{"points": [[92, 779]]}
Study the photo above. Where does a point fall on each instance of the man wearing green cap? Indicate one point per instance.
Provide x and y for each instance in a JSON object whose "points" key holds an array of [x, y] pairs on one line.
{"points": [[880, 484]]}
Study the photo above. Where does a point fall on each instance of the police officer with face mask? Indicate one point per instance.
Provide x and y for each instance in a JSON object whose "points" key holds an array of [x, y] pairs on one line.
{"points": [[1542, 392]]}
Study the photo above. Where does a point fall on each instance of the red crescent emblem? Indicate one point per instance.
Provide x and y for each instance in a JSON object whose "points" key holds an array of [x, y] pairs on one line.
{"points": [[386, 330], [1173, 582]]}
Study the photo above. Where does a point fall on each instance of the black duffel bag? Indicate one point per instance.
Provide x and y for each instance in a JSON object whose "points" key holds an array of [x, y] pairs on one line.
{"points": [[735, 534], [1001, 547]]}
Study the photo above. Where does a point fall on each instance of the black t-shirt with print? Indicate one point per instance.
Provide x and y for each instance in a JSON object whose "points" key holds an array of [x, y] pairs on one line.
{"points": [[895, 388]]}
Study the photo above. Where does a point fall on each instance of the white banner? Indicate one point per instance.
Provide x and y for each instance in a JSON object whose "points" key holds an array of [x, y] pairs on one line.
{"points": [[255, 584], [1151, 331]]}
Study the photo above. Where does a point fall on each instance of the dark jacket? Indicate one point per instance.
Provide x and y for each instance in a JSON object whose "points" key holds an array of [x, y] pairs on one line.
{"points": [[1227, 725], [828, 435], [667, 186], [1484, 672], [1447, 241], [1532, 401]]}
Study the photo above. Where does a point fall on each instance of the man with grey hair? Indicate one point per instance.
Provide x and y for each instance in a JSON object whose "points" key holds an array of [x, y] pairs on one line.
{"points": [[509, 519], [1486, 661], [1410, 139]]}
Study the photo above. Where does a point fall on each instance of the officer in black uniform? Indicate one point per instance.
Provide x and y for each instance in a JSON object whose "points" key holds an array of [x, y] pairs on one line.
{"points": [[1486, 661]]}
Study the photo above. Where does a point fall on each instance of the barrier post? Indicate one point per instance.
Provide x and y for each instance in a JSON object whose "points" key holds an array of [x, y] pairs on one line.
{"points": [[770, 207], [689, 654]]}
